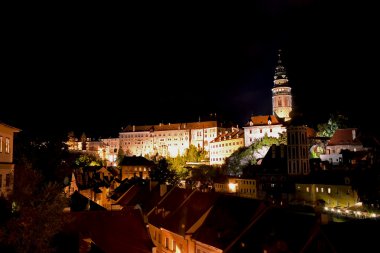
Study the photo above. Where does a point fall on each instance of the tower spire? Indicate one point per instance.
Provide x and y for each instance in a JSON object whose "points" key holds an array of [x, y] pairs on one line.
{"points": [[281, 92], [280, 72]]}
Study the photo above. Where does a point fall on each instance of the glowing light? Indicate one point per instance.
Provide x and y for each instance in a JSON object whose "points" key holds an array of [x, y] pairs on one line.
{"points": [[232, 187], [326, 208]]}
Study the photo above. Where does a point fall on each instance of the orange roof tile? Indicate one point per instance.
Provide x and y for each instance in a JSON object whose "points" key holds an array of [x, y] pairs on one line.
{"points": [[263, 120], [346, 136]]}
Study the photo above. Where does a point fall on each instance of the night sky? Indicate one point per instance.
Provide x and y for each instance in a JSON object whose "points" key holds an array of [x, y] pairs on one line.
{"points": [[95, 70]]}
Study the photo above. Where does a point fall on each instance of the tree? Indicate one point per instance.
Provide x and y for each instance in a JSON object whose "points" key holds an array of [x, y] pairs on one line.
{"points": [[87, 160], [163, 174], [192, 154], [37, 213], [178, 164], [335, 122]]}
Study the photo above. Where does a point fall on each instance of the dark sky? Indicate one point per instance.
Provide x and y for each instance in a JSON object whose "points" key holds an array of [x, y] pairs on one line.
{"points": [[96, 69]]}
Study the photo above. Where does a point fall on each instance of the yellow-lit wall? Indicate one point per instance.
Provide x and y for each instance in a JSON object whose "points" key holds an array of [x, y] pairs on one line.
{"points": [[161, 237], [134, 171], [241, 187], [333, 195], [220, 150], [6, 159]]}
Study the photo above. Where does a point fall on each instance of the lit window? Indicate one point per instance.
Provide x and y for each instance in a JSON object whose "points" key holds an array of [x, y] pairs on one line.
{"points": [[7, 145], [316, 189], [307, 189], [329, 190], [321, 189]]}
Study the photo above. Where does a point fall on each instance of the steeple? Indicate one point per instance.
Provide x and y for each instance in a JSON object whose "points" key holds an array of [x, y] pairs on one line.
{"points": [[281, 92], [280, 72]]}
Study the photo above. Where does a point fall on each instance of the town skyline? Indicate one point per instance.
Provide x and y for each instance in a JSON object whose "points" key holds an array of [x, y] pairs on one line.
{"points": [[97, 79]]}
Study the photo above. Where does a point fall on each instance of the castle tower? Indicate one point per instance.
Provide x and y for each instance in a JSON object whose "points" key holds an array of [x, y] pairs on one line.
{"points": [[281, 92]]}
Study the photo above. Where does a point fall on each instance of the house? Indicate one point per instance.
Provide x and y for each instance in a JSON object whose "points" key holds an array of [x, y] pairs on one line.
{"points": [[262, 125], [135, 166], [177, 217], [6, 158]]}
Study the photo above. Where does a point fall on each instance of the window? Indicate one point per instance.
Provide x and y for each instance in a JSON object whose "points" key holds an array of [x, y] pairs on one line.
{"points": [[329, 190], [7, 180], [307, 189], [174, 245], [166, 242], [7, 145]]}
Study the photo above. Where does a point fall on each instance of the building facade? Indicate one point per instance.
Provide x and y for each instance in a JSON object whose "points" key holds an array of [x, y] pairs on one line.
{"points": [[259, 126], [168, 140], [6, 158], [298, 150], [225, 144]]}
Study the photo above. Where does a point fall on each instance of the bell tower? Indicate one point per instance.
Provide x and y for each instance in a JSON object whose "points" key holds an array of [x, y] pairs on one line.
{"points": [[281, 92]]}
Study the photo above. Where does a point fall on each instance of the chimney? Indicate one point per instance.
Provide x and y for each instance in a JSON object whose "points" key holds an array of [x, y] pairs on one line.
{"points": [[353, 134]]}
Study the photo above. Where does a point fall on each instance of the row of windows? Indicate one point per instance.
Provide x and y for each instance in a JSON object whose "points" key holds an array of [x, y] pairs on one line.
{"points": [[250, 182], [218, 159], [229, 151], [139, 135], [322, 190], [261, 131], [7, 145], [247, 190], [227, 144]]}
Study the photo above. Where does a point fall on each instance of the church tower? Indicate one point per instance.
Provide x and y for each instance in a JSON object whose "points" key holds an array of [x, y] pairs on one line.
{"points": [[281, 92]]}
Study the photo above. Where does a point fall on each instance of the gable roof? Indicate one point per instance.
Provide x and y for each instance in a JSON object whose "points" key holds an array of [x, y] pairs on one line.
{"points": [[144, 195], [112, 231], [347, 136], [278, 230], [227, 219], [190, 212], [173, 199], [262, 120], [81, 203]]}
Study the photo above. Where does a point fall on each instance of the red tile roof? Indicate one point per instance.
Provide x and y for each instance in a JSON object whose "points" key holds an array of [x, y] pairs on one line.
{"points": [[169, 204], [347, 136], [263, 120], [229, 135], [175, 126], [112, 231], [190, 212]]}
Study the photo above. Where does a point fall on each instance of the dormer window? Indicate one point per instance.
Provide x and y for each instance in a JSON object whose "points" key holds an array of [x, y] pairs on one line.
{"points": [[251, 123], [269, 122]]}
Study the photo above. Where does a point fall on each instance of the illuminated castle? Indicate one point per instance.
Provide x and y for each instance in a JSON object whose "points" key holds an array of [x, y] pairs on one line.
{"points": [[281, 92]]}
